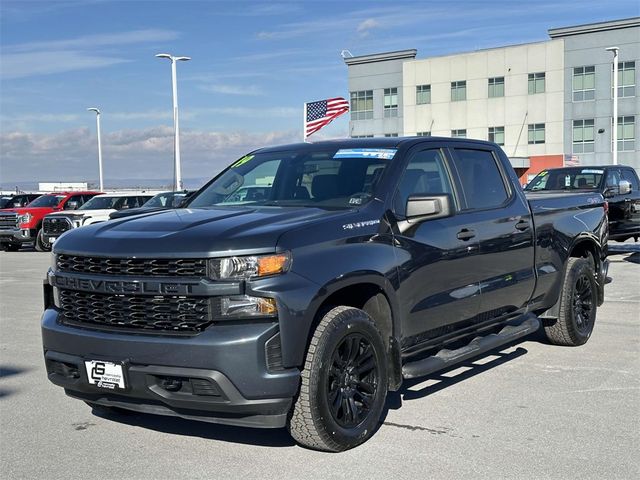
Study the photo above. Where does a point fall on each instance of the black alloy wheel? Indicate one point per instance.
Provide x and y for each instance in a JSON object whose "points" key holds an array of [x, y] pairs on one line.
{"points": [[583, 303], [352, 381]]}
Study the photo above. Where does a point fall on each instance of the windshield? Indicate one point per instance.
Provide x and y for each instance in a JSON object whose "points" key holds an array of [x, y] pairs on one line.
{"points": [[47, 201], [166, 200], [102, 202], [332, 178], [567, 179], [4, 201]]}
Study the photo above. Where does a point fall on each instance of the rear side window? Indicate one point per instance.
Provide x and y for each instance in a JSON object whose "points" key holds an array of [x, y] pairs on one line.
{"points": [[425, 175], [481, 180], [630, 177]]}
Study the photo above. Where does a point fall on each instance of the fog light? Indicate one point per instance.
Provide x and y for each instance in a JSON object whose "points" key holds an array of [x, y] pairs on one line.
{"points": [[247, 306], [171, 384]]}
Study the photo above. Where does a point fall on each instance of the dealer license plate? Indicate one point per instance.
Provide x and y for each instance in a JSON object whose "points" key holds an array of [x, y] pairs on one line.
{"points": [[106, 375]]}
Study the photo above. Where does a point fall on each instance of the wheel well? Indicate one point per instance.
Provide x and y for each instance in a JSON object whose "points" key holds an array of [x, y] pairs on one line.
{"points": [[586, 249], [365, 296]]}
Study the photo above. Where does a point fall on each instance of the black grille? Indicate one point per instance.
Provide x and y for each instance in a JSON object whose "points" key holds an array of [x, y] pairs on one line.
{"points": [[55, 226], [165, 267], [8, 220], [157, 314]]}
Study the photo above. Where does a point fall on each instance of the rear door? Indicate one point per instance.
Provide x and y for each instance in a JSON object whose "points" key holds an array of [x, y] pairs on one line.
{"points": [[499, 217], [438, 282]]}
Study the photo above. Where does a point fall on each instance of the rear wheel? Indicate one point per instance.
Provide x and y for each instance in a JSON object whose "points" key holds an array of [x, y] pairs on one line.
{"points": [[578, 304], [41, 244], [344, 383], [11, 247]]}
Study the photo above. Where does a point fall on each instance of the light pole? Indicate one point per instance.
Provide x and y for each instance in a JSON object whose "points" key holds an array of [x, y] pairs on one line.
{"points": [[614, 50], [94, 109], [176, 129]]}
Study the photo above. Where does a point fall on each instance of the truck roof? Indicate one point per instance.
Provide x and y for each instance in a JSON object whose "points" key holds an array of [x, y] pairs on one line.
{"points": [[375, 142]]}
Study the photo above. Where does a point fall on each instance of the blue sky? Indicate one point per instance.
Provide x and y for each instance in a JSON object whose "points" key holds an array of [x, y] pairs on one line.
{"points": [[253, 65]]}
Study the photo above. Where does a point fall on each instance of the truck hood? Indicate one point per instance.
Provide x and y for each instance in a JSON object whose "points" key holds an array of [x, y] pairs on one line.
{"points": [[79, 214], [200, 232]]}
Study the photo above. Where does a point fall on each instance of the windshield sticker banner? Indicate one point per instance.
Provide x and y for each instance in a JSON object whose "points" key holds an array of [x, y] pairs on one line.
{"points": [[378, 153], [242, 161], [597, 172]]}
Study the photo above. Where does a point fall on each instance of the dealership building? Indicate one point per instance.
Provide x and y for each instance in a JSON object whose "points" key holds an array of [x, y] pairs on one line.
{"points": [[546, 103]]}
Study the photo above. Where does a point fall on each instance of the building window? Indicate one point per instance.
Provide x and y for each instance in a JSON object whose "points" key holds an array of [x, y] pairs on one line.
{"points": [[536, 133], [496, 135], [460, 133], [423, 134], [458, 91], [584, 83], [390, 134], [583, 136], [423, 94], [536, 83], [626, 79], [496, 87], [626, 133], [390, 102], [362, 105]]}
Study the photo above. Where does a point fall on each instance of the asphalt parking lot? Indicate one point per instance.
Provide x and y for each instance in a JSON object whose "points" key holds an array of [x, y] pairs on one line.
{"points": [[528, 411]]}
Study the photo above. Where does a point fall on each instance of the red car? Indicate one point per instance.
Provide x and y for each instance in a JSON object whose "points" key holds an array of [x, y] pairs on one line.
{"points": [[23, 225]]}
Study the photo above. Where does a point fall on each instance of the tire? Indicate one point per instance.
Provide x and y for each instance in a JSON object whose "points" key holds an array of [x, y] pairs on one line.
{"points": [[578, 305], [41, 245], [346, 366], [12, 247]]}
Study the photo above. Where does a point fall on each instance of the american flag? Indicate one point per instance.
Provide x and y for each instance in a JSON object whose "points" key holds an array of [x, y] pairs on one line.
{"points": [[322, 113], [571, 160]]}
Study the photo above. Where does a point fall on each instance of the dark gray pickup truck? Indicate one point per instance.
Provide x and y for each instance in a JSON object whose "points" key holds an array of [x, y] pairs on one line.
{"points": [[362, 263]]}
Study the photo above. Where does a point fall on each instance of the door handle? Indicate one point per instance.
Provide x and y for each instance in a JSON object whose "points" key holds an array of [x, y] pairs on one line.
{"points": [[465, 234], [522, 225]]}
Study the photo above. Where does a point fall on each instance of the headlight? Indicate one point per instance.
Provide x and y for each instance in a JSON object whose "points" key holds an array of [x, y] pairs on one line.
{"points": [[24, 218], [238, 268]]}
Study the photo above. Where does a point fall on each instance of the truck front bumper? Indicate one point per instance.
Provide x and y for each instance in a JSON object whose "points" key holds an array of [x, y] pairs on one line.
{"points": [[16, 236], [219, 376]]}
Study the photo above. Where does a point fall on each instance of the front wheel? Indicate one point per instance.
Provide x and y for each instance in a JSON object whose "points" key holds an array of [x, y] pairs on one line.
{"points": [[41, 244], [578, 304], [343, 385]]}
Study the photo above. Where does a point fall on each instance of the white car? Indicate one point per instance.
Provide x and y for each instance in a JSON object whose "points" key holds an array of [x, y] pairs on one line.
{"points": [[94, 211]]}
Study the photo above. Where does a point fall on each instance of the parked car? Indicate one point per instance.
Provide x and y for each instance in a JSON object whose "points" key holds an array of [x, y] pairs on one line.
{"points": [[161, 201], [17, 200], [369, 262], [95, 210], [618, 183], [23, 225]]}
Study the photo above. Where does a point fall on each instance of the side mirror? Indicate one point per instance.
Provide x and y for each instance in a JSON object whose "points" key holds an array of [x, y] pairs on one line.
{"points": [[428, 207], [71, 205], [624, 187]]}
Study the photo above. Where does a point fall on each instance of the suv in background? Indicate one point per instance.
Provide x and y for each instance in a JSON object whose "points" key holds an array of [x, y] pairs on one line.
{"points": [[95, 210], [22, 225], [17, 200], [618, 184]]}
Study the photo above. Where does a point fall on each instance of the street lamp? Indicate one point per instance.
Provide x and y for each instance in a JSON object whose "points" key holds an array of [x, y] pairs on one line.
{"points": [[94, 109], [614, 50], [176, 129]]}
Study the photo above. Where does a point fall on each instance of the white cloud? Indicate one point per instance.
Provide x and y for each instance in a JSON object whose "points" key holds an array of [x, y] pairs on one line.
{"points": [[365, 27], [80, 53], [227, 89], [129, 154]]}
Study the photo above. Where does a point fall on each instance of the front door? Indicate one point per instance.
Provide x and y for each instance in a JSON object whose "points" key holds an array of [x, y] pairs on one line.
{"points": [[438, 281]]}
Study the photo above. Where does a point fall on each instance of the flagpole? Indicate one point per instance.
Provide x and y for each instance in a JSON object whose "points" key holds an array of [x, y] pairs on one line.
{"points": [[304, 124]]}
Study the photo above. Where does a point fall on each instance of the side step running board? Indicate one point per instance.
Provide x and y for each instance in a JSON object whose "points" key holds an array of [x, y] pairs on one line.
{"points": [[445, 358]]}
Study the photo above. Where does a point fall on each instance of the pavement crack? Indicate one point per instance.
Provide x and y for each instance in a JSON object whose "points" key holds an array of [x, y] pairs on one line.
{"points": [[413, 428], [82, 425]]}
